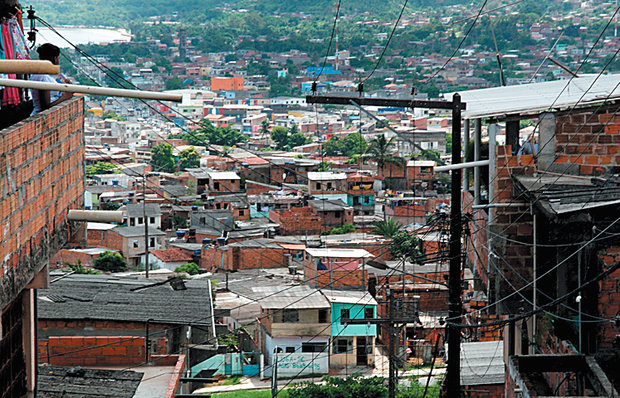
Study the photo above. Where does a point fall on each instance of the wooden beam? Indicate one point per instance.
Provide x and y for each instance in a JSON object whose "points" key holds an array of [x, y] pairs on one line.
{"points": [[364, 101]]}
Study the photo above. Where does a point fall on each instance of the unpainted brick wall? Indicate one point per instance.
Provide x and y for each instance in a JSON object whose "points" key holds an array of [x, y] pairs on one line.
{"points": [[41, 178], [93, 351], [609, 297], [589, 139]]}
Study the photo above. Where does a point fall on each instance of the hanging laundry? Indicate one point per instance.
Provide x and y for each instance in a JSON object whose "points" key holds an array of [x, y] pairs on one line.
{"points": [[11, 94]]}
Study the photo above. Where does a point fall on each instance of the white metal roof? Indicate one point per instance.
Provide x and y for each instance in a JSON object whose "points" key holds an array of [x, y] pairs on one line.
{"points": [[223, 175], [326, 176], [100, 226], [339, 253], [349, 297], [421, 163], [538, 97]]}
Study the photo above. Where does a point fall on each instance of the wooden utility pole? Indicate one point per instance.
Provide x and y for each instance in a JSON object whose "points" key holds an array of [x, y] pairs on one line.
{"points": [[454, 282]]}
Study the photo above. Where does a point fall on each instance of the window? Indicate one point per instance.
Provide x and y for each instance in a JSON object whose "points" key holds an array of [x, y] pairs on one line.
{"points": [[290, 350], [290, 316], [322, 316], [344, 314], [312, 347], [140, 220], [369, 313], [152, 220], [135, 245], [343, 345], [132, 222], [241, 212], [152, 242], [216, 186], [337, 214]]}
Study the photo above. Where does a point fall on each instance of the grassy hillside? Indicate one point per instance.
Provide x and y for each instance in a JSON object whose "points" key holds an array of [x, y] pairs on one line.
{"points": [[123, 12]]}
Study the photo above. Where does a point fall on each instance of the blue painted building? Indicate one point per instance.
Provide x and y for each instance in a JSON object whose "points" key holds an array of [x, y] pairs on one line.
{"points": [[351, 345]]}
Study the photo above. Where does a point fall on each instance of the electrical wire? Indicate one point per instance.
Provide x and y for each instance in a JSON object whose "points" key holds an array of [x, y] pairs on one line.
{"points": [[329, 47], [460, 43], [538, 279], [402, 10]]}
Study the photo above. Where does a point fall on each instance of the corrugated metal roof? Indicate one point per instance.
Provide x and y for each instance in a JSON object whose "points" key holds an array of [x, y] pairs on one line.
{"points": [[349, 297], [339, 253], [325, 176], [539, 97], [482, 363], [298, 297]]}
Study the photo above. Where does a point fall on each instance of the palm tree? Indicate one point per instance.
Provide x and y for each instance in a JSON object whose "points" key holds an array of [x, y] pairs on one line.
{"points": [[387, 228], [379, 151]]}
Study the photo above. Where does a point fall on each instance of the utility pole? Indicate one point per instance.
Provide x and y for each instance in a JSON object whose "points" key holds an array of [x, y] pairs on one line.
{"points": [[454, 282], [146, 227], [453, 376]]}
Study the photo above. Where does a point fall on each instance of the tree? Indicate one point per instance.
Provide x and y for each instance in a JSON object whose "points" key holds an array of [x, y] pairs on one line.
{"points": [[405, 247], [379, 151], [102, 168], [190, 268], [189, 158], [264, 128], [174, 83], [280, 136], [323, 166], [387, 228], [110, 261], [161, 157], [352, 144], [298, 139], [347, 228]]}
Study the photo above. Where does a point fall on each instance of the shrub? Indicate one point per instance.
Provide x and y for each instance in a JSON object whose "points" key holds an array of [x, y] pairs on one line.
{"points": [[110, 262], [190, 268]]}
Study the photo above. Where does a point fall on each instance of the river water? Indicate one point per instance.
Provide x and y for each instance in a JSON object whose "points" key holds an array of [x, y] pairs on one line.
{"points": [[81, 36]]}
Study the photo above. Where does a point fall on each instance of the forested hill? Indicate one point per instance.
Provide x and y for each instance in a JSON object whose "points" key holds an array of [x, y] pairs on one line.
{"points": [[124, 12]]}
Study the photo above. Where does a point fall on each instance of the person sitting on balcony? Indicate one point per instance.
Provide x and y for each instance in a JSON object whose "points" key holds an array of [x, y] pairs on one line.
{"points": [[44, 99]]}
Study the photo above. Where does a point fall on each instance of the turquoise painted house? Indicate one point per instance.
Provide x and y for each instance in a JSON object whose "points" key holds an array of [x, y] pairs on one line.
{"points": [[351, 345]]}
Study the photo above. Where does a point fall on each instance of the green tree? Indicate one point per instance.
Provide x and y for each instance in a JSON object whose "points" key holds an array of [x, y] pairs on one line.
{"points": [[280, 135], [110, 261], [102, 168], [323, 166], [405, 247], [190, 268], [189, 158], [264, 128], [347, 228], [161, 157], [174, 83], [379, 151], [387, 228], [298, 139]]}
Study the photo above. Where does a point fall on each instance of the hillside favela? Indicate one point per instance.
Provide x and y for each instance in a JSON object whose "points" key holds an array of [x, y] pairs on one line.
{"points": [[309, 199]]}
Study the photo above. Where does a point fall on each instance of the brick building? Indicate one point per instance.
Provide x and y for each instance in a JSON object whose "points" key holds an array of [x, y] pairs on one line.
{"points": [[100, 320], [319, 215], [247, 254], [549, 236], [331, 267], [41, 177]]}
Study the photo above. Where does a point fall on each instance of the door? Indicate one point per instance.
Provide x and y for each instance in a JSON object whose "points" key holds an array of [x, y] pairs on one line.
{"points": [[362, 356]]}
